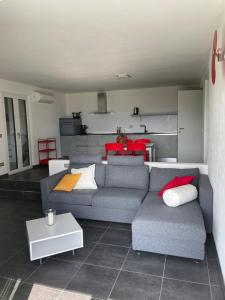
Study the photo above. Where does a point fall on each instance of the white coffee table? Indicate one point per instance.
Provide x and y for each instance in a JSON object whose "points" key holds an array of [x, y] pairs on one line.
{"points": [[65, 235]]}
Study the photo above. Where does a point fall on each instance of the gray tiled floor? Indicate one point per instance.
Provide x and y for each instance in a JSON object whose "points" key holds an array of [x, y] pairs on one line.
{"points": [[106, 268]]}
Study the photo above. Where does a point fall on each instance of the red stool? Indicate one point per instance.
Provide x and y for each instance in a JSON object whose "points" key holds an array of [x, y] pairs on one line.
{"points": [[137, 147], [116, 147], [143, 141]]}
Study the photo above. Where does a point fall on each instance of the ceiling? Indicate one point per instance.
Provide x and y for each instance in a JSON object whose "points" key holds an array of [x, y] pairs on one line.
{"points": [[80, 45]]}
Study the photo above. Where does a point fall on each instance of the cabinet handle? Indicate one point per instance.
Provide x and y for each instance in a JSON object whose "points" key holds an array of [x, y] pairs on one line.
{"points": [[181, 128]]}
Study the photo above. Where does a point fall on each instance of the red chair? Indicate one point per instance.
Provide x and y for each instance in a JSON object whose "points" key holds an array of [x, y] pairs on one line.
{"points": [[128, 141], [115, 147], [137, 147], [143, 141]]}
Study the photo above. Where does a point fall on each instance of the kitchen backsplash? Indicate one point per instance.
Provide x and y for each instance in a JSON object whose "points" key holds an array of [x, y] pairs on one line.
{"points": [[108, 122]]}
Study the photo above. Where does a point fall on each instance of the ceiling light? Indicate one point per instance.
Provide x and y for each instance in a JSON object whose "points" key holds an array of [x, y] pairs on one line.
{"points": [[123, 75]]}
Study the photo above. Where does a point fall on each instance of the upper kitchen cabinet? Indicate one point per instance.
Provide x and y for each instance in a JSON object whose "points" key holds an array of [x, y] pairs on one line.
{"points": [[190, 130]]}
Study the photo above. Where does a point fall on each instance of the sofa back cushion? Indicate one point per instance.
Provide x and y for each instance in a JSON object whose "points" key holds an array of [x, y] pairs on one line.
{"points": [[99, 171], [136, 177], [160, 176], [127, 160]]}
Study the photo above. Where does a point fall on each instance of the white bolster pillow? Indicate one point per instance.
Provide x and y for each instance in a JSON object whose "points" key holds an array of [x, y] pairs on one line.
{"points": [[180, 195]]}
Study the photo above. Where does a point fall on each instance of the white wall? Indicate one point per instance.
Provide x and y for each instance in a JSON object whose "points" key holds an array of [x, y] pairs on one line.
{"points": [[121, 103], [43, 118], [216, 152]]}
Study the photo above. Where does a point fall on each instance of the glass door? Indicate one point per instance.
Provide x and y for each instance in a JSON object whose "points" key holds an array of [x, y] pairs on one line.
{"points": [[17, 134]]}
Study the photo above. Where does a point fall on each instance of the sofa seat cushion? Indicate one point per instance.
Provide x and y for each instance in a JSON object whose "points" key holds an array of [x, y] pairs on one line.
{"points": [[76, 197], [120, 198], [157, 220]]}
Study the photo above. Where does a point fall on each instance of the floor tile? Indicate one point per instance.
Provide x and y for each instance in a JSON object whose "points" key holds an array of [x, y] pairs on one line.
{"points": [[5, 255], [93, 281], [124, 226], [135, 286], [214, 272], [79, 255], [180, 290], [186, 269], [117, 237], [107, 255], [35, 292], [13, 240], [92, 234], [54, 273], [18, 267], [96, 223], [217, 293], [145, 262]]}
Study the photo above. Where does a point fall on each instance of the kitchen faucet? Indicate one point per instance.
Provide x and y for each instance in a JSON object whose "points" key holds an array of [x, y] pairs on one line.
{"points": [[144, 126]]}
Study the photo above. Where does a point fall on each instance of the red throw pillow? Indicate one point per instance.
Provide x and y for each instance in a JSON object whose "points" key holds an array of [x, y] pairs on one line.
{"points": [[177, 181]]}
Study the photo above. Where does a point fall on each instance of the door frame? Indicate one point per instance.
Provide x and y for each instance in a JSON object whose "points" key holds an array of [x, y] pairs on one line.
{"points": [[17, 96]]}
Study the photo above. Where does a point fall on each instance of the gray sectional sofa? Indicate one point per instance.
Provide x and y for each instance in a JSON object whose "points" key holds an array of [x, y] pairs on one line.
{"points": [[127, 193]]}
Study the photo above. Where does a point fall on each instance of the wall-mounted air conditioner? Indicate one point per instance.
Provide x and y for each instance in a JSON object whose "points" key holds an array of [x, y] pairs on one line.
{"points": [[42, 98]]}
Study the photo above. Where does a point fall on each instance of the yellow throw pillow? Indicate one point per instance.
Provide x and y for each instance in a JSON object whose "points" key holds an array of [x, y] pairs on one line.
{"points": [[67, 183]]}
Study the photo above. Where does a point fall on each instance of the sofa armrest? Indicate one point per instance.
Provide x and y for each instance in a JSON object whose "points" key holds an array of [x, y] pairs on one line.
{"points": [[206, 201], [47, 184]]}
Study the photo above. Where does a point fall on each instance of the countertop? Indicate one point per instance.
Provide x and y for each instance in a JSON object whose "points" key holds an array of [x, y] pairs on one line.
{"points": [[130, 133]]}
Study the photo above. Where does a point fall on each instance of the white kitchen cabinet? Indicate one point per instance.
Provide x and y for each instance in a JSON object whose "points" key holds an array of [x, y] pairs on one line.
{"points": [[190, 129]]}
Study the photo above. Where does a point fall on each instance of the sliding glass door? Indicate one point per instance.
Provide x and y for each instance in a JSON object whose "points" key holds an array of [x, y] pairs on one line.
{"points": [[17, 133]]}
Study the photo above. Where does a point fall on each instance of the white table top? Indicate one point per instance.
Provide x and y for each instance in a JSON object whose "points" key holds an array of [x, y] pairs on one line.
{"points": [[38, 230]]}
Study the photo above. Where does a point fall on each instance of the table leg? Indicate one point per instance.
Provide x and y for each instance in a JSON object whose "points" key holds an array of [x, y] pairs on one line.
{"points": [[73, 252], [41, 261]]}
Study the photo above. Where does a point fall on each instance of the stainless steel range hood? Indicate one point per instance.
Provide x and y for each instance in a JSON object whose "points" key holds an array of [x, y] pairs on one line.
{"points": [[102, 103]]}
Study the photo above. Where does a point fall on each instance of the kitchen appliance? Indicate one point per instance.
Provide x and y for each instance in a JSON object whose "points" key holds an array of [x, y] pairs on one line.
{"points": [[84, 129], [102, 103], [70, 126], [136, 111], [76, 115]]}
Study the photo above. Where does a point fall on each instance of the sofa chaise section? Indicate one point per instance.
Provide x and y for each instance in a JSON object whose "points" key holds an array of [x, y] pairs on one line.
{"points": [[176, 231], [179, 231]]}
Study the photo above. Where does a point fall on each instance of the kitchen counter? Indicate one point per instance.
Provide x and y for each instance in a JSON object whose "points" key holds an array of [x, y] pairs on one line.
{"points": [[165, 143], [131, 133]]}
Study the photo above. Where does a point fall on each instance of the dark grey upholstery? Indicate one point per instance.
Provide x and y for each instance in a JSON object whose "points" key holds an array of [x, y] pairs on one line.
{"points": [[127, 160], [47, 184], [79, 158], [184, 222], [82, 197], [121, 198], [133, 177], [160, 176], [206, 201], [169, 226]]}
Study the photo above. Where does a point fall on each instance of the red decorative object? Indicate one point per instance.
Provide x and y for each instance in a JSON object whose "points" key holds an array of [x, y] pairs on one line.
{"points": [[177, 181], [137, 147], [45, 147], [115, 147], [214, 55]]}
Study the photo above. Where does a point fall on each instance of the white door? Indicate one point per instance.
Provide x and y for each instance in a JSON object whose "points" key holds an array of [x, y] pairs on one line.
{"points": [[17, 133], [190, 134]]}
